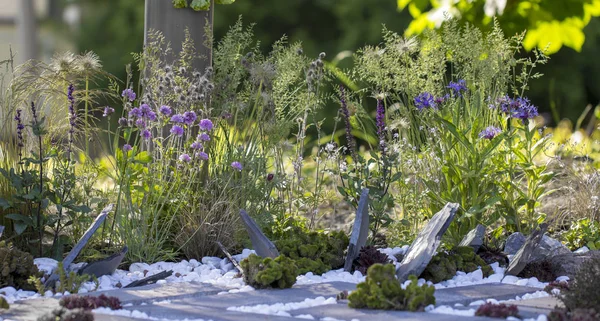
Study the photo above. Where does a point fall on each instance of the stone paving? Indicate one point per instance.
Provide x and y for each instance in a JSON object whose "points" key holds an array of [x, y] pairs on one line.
{"points": [[178, 301]]}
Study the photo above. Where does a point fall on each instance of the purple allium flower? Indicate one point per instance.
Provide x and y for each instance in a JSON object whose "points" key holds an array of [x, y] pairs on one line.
{"points": [[490, 132], [204, 137], [165, 110], [136, 112], [206, 125], [20, 128], [425, 100], [197, 145], [236, 166], [185, 158], [380, 121], [129, 93], [107, 111], [202, 155], [141, 123], [346, 116], [123, 122], [177, 130], [189, 117], [146, 134], [178, 118], [458, 87], [127, 148]]}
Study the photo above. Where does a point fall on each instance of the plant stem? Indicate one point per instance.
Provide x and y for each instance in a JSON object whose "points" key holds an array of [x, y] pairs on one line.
{"points": [[39, 213]]}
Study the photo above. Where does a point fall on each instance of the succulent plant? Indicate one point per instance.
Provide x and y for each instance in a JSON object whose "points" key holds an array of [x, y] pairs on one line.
{"points": [[583, 290], [560, 285], [381, 290], [444, 265], [16, 267], [280, 272], [560, 314], [90, 302], [368, 256], [501, 310], [315, 252], [63, 314]]}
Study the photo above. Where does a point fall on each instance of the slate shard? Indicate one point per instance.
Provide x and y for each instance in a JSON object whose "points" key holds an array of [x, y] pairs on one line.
{"points": [[261, 244], [106, 266], [524, 254], [514, 242], [360, 230], [425, 245], [474, 238], [151, 279], [81, 244]]}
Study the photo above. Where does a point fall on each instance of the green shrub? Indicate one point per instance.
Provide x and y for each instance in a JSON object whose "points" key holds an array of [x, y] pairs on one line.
{"points": [[583, 290], [16, 267], [443, 266], [583, 232], [280, 272], [315, 252], [68, 282], [63, 314], [381, 290]]}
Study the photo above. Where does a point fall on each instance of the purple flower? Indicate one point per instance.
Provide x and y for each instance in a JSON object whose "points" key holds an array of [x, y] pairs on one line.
{"points": [[346, 116], [189, 117], [204, 137], [380, 121], [202, 155], [72, 115], [145, 109], [519, 107], [178, 118], [127, 148], [197, 145], [165, 110], [151, 116], [123, 122], [185, 158], [146, 134], [20, 128], [490, 132], [107, 111], [177, 130], [425, 100], [236, 166], [129, 93], [141, 123], [458, 87], [206, 124], [440, 100], [136, 112]]}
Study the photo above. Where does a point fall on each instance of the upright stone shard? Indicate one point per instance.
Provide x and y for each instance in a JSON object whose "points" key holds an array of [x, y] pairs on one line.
{"points": [[514, 242], [106, 266], [360, 230], [1, 230], [425, 245], [524, 254], [262, 245], [81, 244], [474, 238]]}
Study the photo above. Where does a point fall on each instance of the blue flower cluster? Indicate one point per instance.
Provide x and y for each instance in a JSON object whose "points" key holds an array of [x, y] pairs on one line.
{"points": [[519, 107]]}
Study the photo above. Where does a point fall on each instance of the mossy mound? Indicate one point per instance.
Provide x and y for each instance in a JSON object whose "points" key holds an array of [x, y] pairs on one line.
{"points": [[315, 252], [444, 265], [16, 267], [259, 272], [381, 290], [4, 304]]}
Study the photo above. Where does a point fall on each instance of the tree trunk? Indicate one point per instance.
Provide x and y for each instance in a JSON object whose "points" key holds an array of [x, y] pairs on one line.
{"points": [[26, 29], [171, 22]]}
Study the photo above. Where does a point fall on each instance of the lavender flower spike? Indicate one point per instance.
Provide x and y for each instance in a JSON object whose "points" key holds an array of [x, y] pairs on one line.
{"points": [[380, 120]]}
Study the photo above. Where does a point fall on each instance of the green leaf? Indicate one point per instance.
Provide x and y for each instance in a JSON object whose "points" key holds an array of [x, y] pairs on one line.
{"points": [[20, 218], [4, 204], [20, 227], [200, 5], [142, 158], [459, 136], [224, 1], [180, 4]]}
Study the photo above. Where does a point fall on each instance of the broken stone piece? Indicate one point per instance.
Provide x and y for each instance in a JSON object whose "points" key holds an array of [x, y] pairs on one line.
{"points": [[524, 254], [360, 230], [474, 238], [425, 245], [514, 242], [261, 244], [105, 266]]}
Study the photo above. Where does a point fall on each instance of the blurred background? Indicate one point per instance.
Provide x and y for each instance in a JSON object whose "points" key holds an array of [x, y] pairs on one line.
{"points": [[113, 29]]}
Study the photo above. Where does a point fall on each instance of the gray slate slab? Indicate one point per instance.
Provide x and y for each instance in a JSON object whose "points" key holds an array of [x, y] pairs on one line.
{"points": [[30, 310], [425, 245], [467, 294], [523, 256], [154, 292], [474, 238], [360, 230], [341, 311], [106, 266], [261, 244]]}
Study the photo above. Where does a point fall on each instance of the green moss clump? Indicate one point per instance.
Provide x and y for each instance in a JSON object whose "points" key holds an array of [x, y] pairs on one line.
{"points": [[444, 265], [16, 267], [280, 272], [3, 303], [381, 290], [315, 252]]}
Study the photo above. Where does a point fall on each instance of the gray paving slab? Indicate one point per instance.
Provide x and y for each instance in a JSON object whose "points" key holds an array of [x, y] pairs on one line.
{"points": [[467, 294], [154, 292], [30, 310], [533, 307], [341, 311]]}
